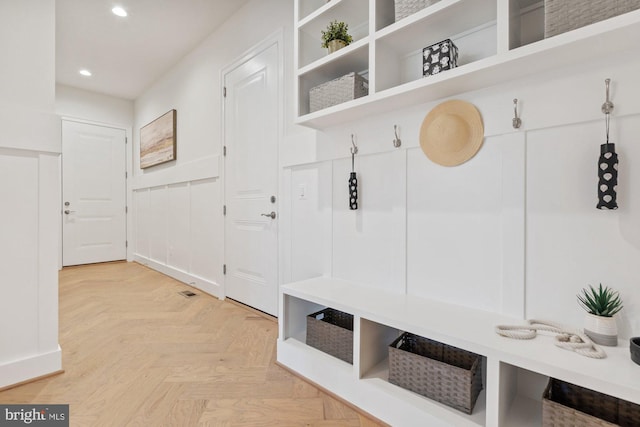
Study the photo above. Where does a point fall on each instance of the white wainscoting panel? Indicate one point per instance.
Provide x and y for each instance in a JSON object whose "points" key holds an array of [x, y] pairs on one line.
{"points": [[19, 265], [141, 225], [570, 243], [455, 248], [158, 224], [369, 244], [178, 231], [30, 194], [49, 240], [179, 226], [206, 229], [513, 154], [311, 236]]}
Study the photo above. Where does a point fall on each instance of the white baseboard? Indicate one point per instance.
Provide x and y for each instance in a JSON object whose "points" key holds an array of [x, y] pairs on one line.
{"points": [[204, 285], [19, 371]]}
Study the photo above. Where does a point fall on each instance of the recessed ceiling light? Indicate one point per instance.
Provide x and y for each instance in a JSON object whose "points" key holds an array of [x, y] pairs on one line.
{"points": [[119, 11], [85, 73]]}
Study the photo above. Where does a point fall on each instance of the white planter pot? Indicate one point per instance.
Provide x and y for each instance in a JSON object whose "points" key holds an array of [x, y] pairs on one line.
{"points": [[602, 330]]}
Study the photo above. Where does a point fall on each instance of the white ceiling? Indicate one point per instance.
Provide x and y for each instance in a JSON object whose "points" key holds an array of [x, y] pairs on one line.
{"points": [[126, 55]]}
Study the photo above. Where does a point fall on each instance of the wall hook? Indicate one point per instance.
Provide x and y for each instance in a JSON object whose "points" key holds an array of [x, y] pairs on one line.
{"points": [[354, 149], [607, 107], [516, 122], [396, 142]]}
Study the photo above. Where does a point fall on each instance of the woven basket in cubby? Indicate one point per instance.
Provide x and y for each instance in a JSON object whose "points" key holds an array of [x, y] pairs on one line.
{"points": [[561, 16], [565, 404], [334, 92], [438, 371], [331, 331], [404, 8]]}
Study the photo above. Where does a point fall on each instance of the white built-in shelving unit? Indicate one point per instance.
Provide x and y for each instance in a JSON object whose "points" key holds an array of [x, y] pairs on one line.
{"points": [[498, 40], [515, 372]]}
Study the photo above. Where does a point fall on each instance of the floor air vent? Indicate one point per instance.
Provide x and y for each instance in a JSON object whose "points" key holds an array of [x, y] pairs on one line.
{"points": [[187, 294]]}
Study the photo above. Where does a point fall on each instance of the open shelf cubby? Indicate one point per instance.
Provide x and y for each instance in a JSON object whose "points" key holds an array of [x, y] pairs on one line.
{"points": [[354, 14], [498, 41], [520, 396]]}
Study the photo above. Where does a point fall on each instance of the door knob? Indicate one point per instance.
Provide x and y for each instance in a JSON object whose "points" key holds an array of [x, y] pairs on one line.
{"points": [[67, 212], [271, 215]]}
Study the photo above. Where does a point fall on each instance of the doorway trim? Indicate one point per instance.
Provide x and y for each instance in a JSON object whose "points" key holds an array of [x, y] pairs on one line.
{"points": [[276, 38], [128, 132]]}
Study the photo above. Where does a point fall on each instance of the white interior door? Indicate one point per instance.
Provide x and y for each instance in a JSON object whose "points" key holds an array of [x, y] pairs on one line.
{"points": [[93, 193], [251, 115]]}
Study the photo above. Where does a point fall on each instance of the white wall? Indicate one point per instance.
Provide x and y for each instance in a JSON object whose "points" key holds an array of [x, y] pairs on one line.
{"points": [[515, 230], [29, 190], [74, 103], [178, 206]]}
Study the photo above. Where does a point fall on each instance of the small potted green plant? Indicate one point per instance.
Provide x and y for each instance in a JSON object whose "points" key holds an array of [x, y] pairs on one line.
{"points": [[601, 304], [336, 36]]}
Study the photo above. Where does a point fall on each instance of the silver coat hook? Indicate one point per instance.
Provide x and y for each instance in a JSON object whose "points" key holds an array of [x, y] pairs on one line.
{"points": [[516, 122], [354, 149], [607, 107], [396, 142]]}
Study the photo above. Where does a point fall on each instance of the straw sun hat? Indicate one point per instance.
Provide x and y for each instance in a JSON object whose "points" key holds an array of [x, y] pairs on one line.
{"points": [[452, 133]]}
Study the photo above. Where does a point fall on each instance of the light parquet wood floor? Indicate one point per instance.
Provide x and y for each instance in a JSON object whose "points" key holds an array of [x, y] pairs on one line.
{"points": [[137, 353]]}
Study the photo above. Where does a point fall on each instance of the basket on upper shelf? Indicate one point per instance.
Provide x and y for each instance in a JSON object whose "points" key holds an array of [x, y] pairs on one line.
{"points": [[566, 404], [438, 371], [405, 8], [561, 16], [331, 331], [337, 91]]}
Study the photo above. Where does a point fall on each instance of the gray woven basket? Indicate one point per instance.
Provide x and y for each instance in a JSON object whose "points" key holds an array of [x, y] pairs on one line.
{"points": [[405, 8], [565, 404], [438, 371], [337, 91], [565, 15], [331, 331]]}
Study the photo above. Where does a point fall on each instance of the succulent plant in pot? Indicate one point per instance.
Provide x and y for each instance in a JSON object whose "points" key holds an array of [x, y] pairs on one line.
{"points": [[601, 304], [336, 36]]}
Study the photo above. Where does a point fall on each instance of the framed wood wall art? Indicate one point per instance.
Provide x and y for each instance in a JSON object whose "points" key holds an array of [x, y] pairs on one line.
{"points": [[158, 141]]}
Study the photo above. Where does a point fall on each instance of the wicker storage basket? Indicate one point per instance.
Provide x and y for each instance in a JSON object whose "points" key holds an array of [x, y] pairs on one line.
{"points": [[331, 331], [563, 15], [405, 8], [565, 404], [438, 371], [337, 91]]}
